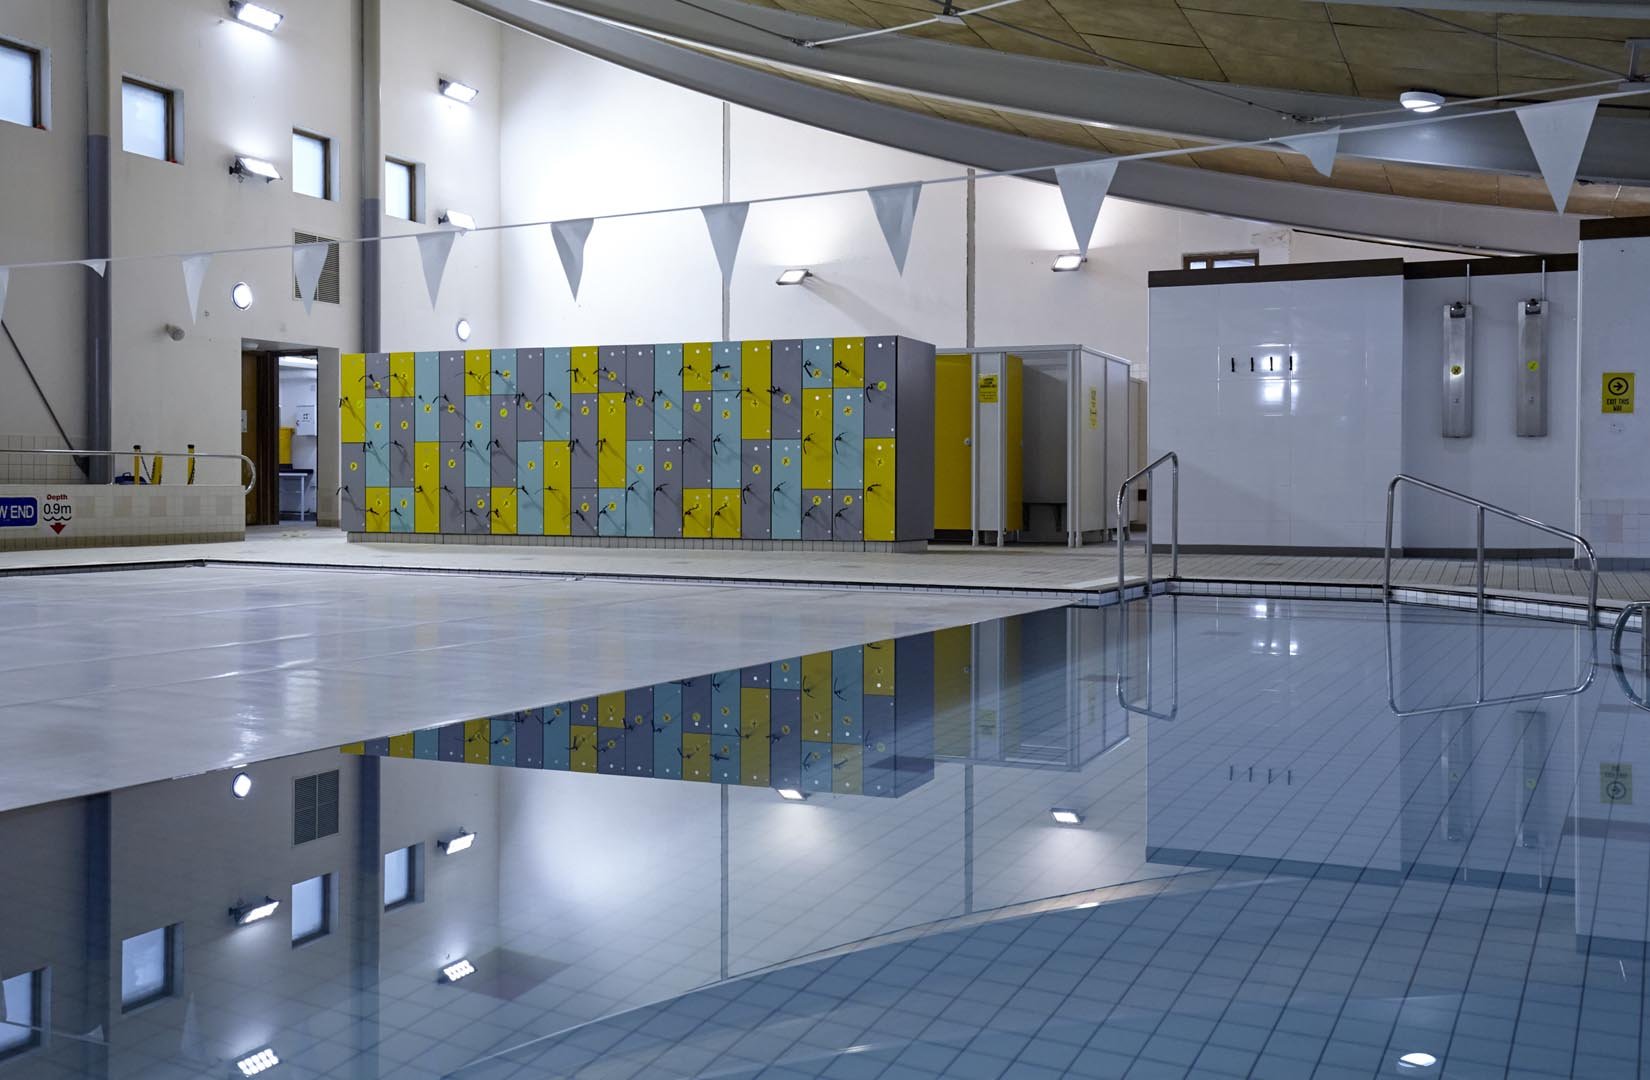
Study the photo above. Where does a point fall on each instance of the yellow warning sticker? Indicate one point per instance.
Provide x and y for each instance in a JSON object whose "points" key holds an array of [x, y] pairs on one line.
{"points": [[988, 389], [1618, 392]]}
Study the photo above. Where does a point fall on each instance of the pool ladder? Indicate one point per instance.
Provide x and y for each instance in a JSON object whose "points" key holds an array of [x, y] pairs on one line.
{"points": [[1173, 461], [1642, 609]]}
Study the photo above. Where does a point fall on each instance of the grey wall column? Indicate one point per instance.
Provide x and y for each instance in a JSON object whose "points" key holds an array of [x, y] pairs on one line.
{"points": [[727, 193], [371, 168], [97, 944], [99, 226], [366, 920]]}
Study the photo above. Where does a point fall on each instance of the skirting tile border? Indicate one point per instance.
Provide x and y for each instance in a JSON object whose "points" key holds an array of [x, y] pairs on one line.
{"points": [[659, 543]]}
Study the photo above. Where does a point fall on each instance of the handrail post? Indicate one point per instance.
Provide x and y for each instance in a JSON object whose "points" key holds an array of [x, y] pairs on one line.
{"points": [[1481, 566], [1386, 578], [1174, 517], [1122, 536]]}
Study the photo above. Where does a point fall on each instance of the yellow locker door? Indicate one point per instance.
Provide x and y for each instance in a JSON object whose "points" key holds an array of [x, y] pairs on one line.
{"points": [[953, 690], [504, 511], [695, 755], [558, 495], [847, 768], [1014, 405], [401, 746], [610, 455], [953, 428], [816, 439], [879, 668], [478, 741], [401, 374], [378, 509], [427, 485], [724, 517], [584, 364], [879, 489], [696, 511], [816, 697], [582, 755], [756, 378], [610, 710], [754, 725], [352, 397], [696, 365], [848, 361], [478, 373]]}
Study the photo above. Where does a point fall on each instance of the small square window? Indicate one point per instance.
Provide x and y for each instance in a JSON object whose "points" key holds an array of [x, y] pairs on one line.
{"points": [[400, 866], [311, 165], [311, 909], [1219, 260], [146, 970], [20, 85], [400, 189], [20, 1030], [148, 120]]}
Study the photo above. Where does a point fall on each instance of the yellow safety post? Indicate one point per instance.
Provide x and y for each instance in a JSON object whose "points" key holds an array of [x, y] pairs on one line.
{"points": [[137, 464], [191, 479], [154, 470]]}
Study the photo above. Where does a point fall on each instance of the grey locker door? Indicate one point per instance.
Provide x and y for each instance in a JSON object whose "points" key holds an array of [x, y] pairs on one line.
{"points": [[816, 514], [787, 390], [755, 491], [378, 375], [667, 489], [611, 369], [502, 448], [530, 404], [403, 417], [696, 439], [478, 511], [848, 516], [451, 408], [638, 420], [583, 513], [880, 368], [584, 421], [352, 494]]}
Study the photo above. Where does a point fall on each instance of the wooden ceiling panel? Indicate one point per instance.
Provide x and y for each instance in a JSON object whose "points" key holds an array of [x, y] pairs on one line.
{"points": [[1188, 62], [1452, 185], [1223, 32], [1136, 19], [1391, 18], [1266, 9], [1438, 52], [1384, 84], [1322, 76]]}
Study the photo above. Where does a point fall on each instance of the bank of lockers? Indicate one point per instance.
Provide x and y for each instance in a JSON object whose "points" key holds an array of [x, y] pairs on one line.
{"points": [[816, 439]]}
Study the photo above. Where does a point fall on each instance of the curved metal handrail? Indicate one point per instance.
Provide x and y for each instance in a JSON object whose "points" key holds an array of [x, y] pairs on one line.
{"points": [[251, 469], [1146, 709], [1486, 508], [1173, 460], [1482, 699], [1616, 631]]}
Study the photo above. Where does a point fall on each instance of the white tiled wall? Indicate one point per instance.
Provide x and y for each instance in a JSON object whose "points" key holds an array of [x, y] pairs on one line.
{"points": [[1613, 332], [129, 514], [1289, 459]]}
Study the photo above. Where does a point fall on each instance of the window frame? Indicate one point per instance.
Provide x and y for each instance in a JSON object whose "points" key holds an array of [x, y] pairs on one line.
{"points": [[169, 985], [326, 910], [329, 181], [415, 891], [39, 59], [40, 1001], [415, 189], [174, 118], [1208, 259]]}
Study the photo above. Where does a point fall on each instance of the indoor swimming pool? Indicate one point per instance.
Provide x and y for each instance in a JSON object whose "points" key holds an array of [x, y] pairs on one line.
{"points": [[1190, 836]]}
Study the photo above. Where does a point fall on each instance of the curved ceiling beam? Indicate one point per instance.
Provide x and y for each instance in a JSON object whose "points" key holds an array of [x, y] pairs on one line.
{"points": [[1618, 152], [1332, 209]]}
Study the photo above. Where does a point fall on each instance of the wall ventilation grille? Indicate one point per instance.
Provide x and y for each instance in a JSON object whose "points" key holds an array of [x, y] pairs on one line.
{"points": [[314, 807], [327, 291]]}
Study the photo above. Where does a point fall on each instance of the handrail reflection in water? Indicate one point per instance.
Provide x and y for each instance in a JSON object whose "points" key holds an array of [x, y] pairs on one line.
{"points": [[1174, 660], [1481, 699], [1616, 631]]}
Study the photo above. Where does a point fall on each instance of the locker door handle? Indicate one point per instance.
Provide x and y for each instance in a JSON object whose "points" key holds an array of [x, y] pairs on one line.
{"points": [[968, 442]]}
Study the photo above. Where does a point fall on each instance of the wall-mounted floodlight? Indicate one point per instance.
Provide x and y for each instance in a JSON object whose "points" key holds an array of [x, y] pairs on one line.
{"points": [[462, 329], [1419, 1059], [1065, 816], [255, 15], [791, 794], [458, 219], [794, 276], [253, 1064], [258, 910], [459, 843], [459, 92], [241, 786], [1421, 101], [254, 168], [240, 294], [457, 970], [1069, 261]]}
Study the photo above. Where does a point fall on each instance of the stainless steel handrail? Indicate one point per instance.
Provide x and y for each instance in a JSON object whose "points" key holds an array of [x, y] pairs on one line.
{"points": [[1643, 609], [251, 469], [1486, 508], [1482, 699], [1174, 520], [1145, 709]]}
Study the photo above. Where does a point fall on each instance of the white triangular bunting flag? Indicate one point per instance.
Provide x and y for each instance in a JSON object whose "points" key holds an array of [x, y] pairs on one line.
{"points": [[1557, 132], [896, 208], [5, 279], [100, 267], [1318, 147], [570, 237], [1083, 186], [307, 263], [194, 272], [433, 249], [726, 222]]}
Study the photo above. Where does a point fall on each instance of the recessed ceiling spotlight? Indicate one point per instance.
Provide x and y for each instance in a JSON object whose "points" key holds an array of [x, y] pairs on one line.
{"points": [[1069, 261], [794, 276], [1421, 101], [247, 914], [459, 220], [459, 843], [791, 794], [241, 785], [1417, 1060], [462, 329], [457, 970], [458, 91], [253, 1064], [1064, 816], [257, 168], [255, 15], [240, 294]]}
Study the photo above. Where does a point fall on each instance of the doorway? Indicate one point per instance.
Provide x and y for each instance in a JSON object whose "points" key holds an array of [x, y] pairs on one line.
{"points": [[279, 431], [260, 433]]}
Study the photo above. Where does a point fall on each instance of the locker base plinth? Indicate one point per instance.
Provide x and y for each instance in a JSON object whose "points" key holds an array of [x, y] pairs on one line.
{"points": [[724, 544]]}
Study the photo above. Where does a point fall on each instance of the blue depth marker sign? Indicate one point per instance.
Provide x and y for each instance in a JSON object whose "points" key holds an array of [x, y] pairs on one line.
{"points": [[19, 512]]}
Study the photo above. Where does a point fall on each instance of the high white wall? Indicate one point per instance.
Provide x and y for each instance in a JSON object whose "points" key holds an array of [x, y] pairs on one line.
{"points": [[1613, 486]]}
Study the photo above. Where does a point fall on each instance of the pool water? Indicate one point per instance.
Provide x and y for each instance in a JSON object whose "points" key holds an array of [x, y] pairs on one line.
{"points": [[1185, 837]]}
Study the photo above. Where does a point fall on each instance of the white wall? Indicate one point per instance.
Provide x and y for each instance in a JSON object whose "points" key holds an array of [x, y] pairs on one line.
{"points": [[1613, 312]]}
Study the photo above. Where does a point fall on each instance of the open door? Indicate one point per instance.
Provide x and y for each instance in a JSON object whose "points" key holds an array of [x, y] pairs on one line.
{"points": [[260, 434]]}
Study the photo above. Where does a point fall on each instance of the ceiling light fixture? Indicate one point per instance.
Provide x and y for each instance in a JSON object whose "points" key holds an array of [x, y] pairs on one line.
{"points": [[791, 794], [462, 329], [459, 220], [240, 294], [1421, 101], [1069, 261], [1417, 1060], [459, 843], [247, 914], [949, 15], [255, 15], [794, 276], [253, 1064], [258, 168], [459, 92], [241, 785], [307, 362], [457, 970], [1065, 816]]}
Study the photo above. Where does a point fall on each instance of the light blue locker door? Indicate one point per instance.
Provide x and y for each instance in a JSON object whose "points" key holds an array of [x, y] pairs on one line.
{"points": [[503, 732], [478, 439], [558, 401], [638, 491], [667, 394], [427, 744], [848, 439], [667, 730], [610, 514], [724, 703], [724, 453], [557, 736], [403, 506], [817, 357], [816, 766], [505, 379], [724, 753], [377, 462], [530, 480], [785, 674], [427, 395], [724, 367], [786, 473], [847, 695]]}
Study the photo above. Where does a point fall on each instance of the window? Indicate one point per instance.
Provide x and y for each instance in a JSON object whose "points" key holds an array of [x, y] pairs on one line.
{"points": [[20, 86], [1219, 260], [399, 867], [148, 119], [20, 1031], [400, 189], [311, 165], [146, 968], [311, 909]]}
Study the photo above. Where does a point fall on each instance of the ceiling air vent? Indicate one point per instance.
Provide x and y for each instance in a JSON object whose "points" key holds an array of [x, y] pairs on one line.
{"points": [[314, 807], [327, 290]]}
